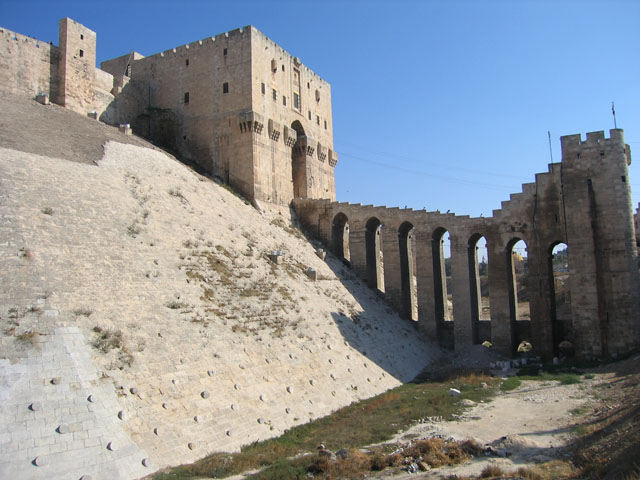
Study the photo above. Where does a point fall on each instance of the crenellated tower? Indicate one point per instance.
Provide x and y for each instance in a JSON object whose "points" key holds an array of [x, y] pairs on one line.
{"points": [[603, 255], [76, 66]]}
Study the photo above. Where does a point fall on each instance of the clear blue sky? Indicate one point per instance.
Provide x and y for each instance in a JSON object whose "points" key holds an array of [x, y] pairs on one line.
{"points": [[439, 104]]}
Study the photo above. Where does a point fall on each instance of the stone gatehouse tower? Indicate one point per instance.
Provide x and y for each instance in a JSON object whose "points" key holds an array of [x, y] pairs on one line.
{"points": [[238, 106]]}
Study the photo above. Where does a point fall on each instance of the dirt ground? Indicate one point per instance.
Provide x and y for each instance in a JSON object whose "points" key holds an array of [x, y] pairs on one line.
{"points": [[591, 426]]}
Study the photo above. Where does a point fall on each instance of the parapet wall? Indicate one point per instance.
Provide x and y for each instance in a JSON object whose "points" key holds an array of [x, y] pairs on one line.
{"points": [[27, 66]]}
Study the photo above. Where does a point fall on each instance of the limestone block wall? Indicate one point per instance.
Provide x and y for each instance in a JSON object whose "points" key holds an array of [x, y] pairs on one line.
{"points": [[77, 66], [189, 81], [584, 202], [285, 91], [224, 102], [27, 66]]}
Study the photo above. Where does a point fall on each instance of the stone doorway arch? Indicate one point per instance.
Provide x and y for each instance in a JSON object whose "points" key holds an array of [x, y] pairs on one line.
{"points": [[299, 162]]}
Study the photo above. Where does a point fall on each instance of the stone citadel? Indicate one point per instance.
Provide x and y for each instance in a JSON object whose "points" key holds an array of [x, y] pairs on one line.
{"points": [[244, 110]]}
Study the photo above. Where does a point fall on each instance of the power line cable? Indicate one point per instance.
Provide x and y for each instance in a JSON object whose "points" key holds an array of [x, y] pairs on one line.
{"points": [[433, 164], [489, 186]]}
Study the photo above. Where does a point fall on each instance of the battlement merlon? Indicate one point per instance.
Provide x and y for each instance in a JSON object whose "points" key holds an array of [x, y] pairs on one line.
{"points": [[573, 144], [226, 36]]}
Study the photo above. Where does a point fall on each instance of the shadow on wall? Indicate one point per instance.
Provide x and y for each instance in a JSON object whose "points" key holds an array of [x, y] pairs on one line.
{"points": [[373, 339]]}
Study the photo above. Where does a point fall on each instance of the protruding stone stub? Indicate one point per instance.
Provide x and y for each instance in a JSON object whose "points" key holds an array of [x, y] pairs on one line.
{"points": [[204, 394], [43, 99], [191, 445], [55, 381], [321, 253], [35, 406], [125, 128], [111, 446], [63, 428], [40, 461], [146, 462], [121, 415], [312, 274], [276, 256]]}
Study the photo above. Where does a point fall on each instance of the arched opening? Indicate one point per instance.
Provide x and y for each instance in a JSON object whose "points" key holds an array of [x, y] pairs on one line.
{"points": [[406, 239], [520, 268], [373, 240], [441, 248], [518, 283], [479, 288], [299, 162], [560, 299], [340, 237]]}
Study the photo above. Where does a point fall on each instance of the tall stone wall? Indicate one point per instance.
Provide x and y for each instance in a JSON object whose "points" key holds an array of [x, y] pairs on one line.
{"points": [[584, 202], [285, 92], [27, 65]]}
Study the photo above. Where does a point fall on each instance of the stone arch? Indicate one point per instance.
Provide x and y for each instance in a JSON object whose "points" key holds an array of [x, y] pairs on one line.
{"points": [[408, 285], [373, 247], [479, 311], [299, 162], [516, 263], [517, 269], [558, 269], [340, 237], [439, 275]]}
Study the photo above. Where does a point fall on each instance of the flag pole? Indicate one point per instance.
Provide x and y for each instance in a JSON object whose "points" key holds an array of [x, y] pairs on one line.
{"points": [[550, 150], [613, 111]]}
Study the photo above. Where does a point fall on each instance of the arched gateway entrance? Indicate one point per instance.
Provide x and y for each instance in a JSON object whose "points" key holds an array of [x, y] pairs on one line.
{"points": [[299, 162]]}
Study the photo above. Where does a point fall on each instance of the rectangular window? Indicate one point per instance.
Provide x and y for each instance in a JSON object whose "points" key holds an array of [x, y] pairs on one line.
{"points": [[283, 68], [263, 88], [81, 37], [284, 100], [225, 87], [317, 120], [186, 62], [296, 90], [224, 52], [309, 114], [274, 94], [325, 124], [186, 97], [81, 53]]}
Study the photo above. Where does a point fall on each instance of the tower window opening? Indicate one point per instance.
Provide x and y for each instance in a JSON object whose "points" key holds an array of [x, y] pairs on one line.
{"points": [[317, 120], [274, 94], [81, 53], [325, 124], [81, 37], [186, 62], [186, 97], [309, 115], [263, 89], [284, 100], [224, 52], [225, 87]]}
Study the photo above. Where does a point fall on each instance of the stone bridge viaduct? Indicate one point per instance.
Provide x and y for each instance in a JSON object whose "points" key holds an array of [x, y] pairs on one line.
{"points": [[584, 201]]}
